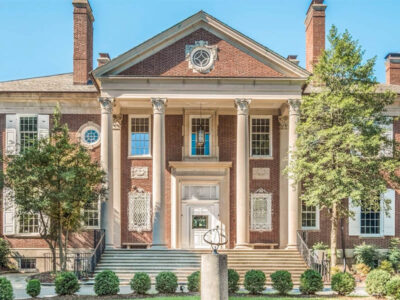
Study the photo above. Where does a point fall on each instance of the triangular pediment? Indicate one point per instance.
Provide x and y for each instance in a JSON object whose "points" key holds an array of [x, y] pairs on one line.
{"points": [[169, 54]]}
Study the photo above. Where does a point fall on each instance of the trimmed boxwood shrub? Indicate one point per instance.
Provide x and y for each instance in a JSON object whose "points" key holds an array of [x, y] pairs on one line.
{"points": [[233, 281], [310, 282], [376, 282], [194, 282], [66, 284], [393, 288], [6, 290], [106, 283], [282, 281], [343, 283], [367, 254], [166, 283], [140, 283], [254, 281], [33, 288]]}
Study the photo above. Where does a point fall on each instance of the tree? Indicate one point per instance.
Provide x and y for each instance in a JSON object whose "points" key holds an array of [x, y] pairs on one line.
{"points": [[56, 180], [341, 135]]}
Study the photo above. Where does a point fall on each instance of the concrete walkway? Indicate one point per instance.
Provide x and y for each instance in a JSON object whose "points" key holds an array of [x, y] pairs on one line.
{"points": [[18, 282]]}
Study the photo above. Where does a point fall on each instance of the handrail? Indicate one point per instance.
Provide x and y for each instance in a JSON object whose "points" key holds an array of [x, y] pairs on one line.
{"points": [[322, 266], [85, 265]]}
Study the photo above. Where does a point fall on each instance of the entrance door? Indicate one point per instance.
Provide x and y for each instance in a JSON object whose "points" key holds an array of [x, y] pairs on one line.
{"points": [[202, 219]]}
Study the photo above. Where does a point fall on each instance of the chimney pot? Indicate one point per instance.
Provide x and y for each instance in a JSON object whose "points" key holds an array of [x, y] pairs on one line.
{"points": [[103, 59], [393, 68], [315, 32], [83, 41]]}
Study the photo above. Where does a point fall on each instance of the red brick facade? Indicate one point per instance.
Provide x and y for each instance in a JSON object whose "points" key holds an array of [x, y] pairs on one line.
{"points": [[231, 62]]}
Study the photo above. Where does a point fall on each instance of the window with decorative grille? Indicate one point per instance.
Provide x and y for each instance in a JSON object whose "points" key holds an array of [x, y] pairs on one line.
{"points": [[261, 212], [196, 148], [140, 136], [139, 211], [260, 136]]}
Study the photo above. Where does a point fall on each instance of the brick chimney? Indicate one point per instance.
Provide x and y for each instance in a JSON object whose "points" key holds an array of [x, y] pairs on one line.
{"points": [[83, 41], [103, 59], [315, 32], [393, 68]]}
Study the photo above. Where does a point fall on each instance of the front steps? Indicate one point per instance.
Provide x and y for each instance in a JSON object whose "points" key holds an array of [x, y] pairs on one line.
{"points": [[125, 262]]}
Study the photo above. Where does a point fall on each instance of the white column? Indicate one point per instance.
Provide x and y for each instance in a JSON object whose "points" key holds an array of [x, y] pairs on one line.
{"points": [[242, 173], [283, 180], [158, 172], [293, 196], [107, 211], [116, 136]]}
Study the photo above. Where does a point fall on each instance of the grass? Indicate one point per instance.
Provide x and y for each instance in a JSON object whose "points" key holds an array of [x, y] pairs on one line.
{"points": [[255, 298]]}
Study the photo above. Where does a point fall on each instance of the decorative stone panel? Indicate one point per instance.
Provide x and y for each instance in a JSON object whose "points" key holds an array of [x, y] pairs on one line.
{"points": [[261, 173], [139, 172]]}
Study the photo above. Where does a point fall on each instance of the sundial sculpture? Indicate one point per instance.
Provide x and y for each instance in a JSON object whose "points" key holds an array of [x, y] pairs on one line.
{"points": [[215, 238]]}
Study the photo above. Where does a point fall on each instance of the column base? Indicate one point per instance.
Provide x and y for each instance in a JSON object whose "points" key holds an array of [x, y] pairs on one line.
{"points": [[243, 247], [291, 247], [158, 247]]}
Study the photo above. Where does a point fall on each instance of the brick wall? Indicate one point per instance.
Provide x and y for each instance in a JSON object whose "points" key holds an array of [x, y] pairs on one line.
{"points": [[82, 240], [231, 61]]}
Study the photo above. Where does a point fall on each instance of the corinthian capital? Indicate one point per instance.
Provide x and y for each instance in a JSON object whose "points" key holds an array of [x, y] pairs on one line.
{"points": [[242, 106], [158, 105], [117, 121], [106, 104]]}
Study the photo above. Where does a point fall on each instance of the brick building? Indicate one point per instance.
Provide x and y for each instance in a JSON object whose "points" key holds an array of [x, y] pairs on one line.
{"points": [[193, 128]]}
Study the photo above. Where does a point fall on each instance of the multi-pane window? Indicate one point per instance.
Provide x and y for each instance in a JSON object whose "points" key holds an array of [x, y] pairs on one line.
{"points": [[27, 131], [260, 136], [91, 216], [27, 263], [140, 136], [200, 136], [309, 217], [370, 221], [28, 223]]}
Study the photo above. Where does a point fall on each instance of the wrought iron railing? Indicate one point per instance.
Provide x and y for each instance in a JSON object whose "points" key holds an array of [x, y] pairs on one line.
{"points": [[85, 264], [321, 265]]}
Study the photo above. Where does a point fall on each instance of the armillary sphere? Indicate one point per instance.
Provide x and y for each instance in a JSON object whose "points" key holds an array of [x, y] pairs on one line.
{"points": [[215, 238]]}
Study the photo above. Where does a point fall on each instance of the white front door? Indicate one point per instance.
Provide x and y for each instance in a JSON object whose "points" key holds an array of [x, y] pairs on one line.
{"points": [[202, 219]]}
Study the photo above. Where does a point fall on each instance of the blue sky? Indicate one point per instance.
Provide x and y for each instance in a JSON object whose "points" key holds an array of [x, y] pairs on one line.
{"points": [[36, 35]]}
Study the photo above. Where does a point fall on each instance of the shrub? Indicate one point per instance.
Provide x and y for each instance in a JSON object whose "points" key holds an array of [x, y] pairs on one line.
{"points": [[33, 288], [393, 254], [362, 269], [335, 270], [254, 281], [166, 282], [6, 290], [282, 282], [393, 288], [310, 282], [194, 282], [343, 283], [376, 282], [386, 266], [320, 246], [140, 283], [106, 283], [66, 283], [4, 253], [367, 254], [233, 281]]}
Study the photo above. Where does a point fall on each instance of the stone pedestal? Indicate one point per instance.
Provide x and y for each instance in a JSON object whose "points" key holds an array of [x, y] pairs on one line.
{"points": [[214, 277]]}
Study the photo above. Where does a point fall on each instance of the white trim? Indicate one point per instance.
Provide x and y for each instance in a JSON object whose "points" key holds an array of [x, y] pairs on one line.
{"points": [[131, 116], [270, 117], [381, 224], [210, 124], [99, 216], [317, 213]]}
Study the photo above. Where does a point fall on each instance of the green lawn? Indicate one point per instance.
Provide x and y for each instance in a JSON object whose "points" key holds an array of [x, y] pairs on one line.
{"points": [[237, 298]]}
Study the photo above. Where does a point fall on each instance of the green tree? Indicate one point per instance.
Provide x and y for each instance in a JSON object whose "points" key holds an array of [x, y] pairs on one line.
{"points": [[56, 179], [341, 135]]}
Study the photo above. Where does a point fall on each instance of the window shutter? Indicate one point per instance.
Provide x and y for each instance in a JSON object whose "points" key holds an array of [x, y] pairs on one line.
{"points": [[11, 134], [388, 216], [354, 223], [387, 151], [43, 126], [8, 212]]}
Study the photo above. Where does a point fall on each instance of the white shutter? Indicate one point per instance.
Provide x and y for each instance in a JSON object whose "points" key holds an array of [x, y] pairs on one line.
{"points": [[355, 222], [43, 126], [11, 134], [387, 151], [389, 216], [8, 212]]}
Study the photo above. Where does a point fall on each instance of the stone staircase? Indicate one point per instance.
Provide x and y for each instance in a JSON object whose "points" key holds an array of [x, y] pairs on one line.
{"points": [[126, 262]]}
